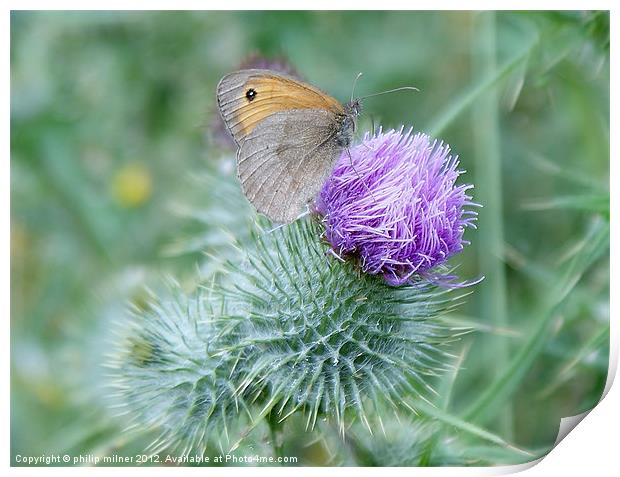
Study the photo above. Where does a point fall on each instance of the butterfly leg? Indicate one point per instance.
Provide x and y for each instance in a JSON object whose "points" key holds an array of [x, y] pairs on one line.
{"points": [[358, 176]]}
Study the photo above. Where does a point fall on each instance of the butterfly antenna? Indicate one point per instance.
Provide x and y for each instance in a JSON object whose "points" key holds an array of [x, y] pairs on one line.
{"points": [[402, 88], [354, 83]]}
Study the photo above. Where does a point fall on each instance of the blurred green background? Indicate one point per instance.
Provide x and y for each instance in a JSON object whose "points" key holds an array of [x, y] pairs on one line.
{"points": [[111, 116]]}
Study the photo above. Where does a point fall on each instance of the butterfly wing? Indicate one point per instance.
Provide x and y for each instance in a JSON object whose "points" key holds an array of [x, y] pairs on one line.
{"points": [[285, 159], [247, 97]]}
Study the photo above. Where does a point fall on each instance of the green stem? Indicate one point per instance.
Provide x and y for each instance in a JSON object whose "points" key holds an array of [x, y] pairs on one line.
{"points": [[498, 392], [445, 391], [275, 434], [363, 457], [490, 237]]}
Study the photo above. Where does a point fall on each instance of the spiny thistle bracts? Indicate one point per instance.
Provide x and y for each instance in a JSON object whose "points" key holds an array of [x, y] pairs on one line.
{"points": [[170, 378], [316, 336]]}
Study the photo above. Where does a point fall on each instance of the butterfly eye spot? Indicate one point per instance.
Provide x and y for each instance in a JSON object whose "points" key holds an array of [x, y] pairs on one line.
{"points": [[250, 94]]}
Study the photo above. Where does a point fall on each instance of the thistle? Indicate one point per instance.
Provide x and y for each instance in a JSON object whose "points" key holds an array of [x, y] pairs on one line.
{"points": [[169, 377], [316, 337], [287, 330], [392, 202]]}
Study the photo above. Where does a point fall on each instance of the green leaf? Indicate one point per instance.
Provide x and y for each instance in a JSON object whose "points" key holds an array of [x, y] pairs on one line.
{"points": [[499, 391], [597, 203], [431, 411]]}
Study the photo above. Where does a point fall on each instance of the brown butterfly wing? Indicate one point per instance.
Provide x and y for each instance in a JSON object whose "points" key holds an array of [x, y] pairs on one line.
{"points": [[272, 93], [285, 159]]}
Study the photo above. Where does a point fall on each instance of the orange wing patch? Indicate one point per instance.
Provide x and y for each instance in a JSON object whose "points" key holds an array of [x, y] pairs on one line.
{"points": [[247, 97]]}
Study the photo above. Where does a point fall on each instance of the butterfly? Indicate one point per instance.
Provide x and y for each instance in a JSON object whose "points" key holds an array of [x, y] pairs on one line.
{"points": [[289, 135]]}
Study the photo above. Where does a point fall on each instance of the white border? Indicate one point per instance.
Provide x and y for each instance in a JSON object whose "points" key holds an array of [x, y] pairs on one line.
{"points": [[590, 448], [314, 5]]}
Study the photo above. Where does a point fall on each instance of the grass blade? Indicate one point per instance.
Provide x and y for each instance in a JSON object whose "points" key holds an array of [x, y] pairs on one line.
{"points": [[495, 395]]}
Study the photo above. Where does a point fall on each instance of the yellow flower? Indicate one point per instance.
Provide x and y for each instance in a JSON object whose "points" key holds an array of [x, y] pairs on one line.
{"points": [[132, 185]]}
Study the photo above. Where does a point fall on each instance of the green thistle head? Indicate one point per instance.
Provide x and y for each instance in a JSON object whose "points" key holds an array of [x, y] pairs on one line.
{"points": [[289, 330], [315, 335], [169, 378]]}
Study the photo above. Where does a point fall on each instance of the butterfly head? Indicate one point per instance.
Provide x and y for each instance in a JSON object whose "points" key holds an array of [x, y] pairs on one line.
{"points": [[353, 108], [344, 137]]}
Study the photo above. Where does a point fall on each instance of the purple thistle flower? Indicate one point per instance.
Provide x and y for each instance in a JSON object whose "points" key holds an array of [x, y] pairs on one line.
{"points": [[392, 202]]}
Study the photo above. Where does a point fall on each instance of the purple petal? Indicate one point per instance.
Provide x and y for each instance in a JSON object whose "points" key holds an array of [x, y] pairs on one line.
{"points": [[392, 201]]}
